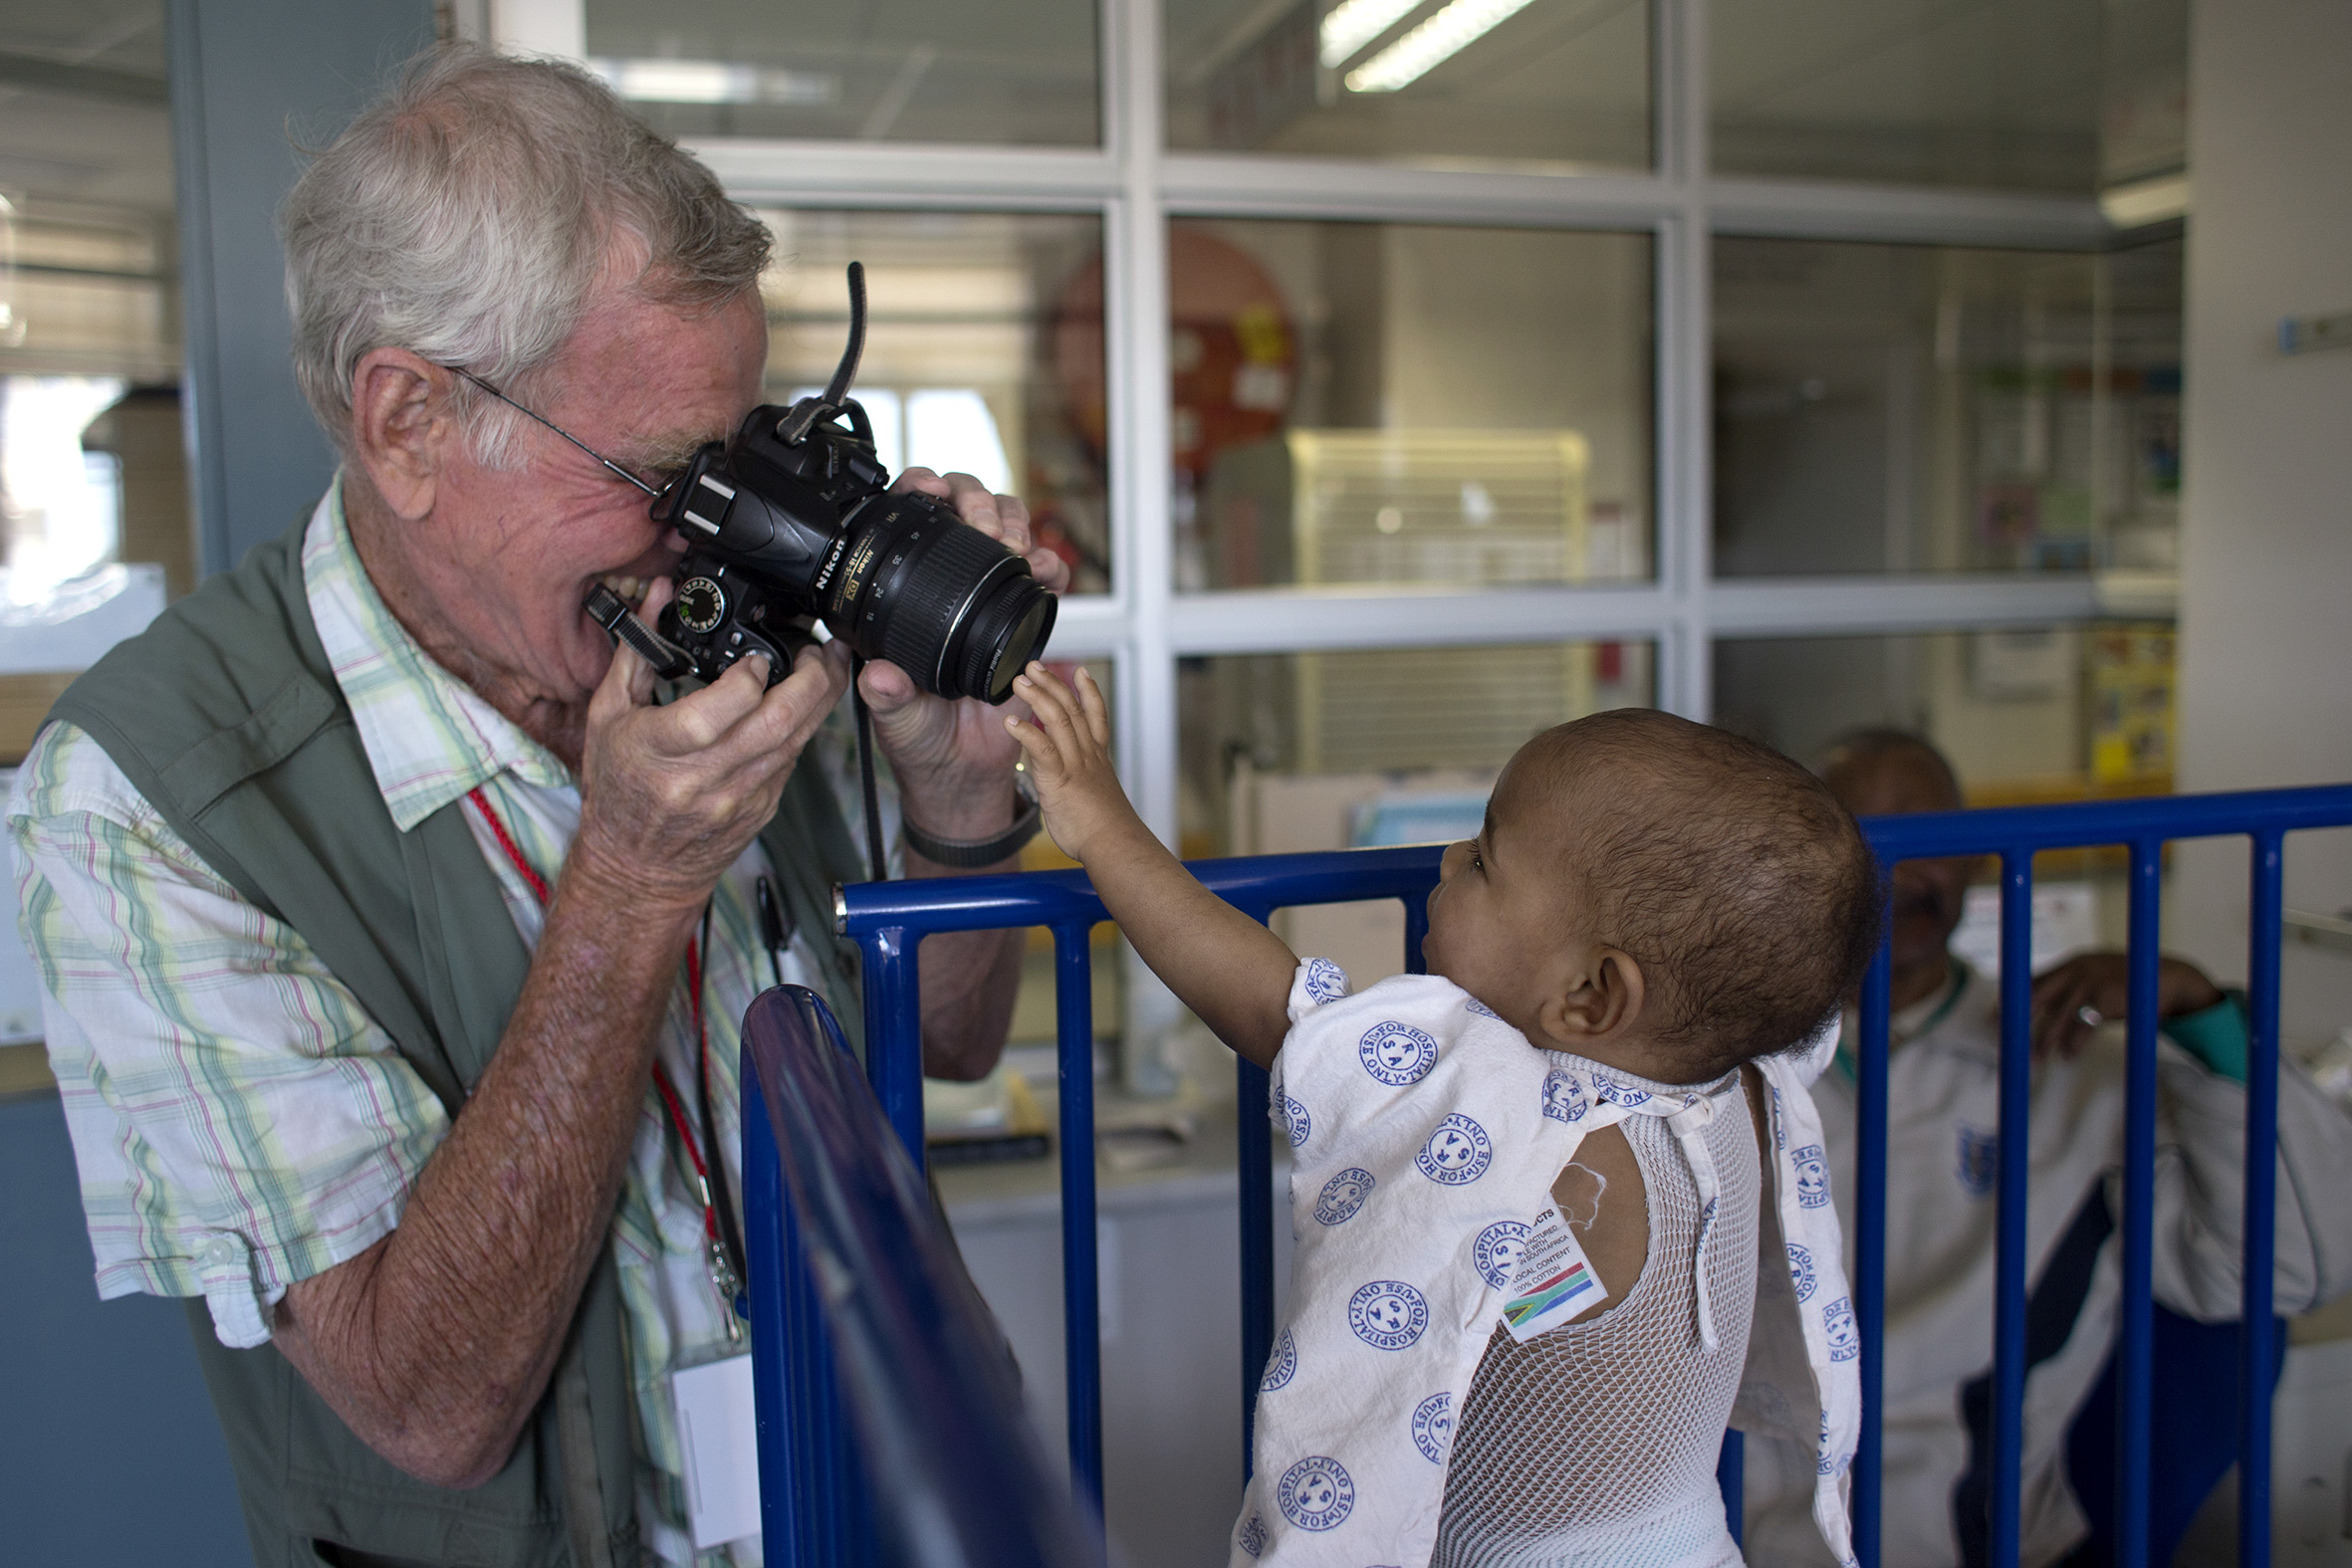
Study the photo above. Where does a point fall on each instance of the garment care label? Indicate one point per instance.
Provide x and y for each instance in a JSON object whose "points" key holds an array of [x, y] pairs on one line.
{"points": [[721, 1437], [1553, 1281]]}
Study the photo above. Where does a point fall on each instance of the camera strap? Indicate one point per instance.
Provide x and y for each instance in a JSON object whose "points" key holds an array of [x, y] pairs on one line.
{"points": [[722, 1244], [876, 856]]}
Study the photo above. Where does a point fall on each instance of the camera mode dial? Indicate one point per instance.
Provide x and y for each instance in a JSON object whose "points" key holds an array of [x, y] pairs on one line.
{"points": [[701, 605]]}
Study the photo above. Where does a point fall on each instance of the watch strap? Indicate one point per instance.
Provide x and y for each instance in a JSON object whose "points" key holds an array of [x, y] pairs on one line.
{"points": [[965, 854]]}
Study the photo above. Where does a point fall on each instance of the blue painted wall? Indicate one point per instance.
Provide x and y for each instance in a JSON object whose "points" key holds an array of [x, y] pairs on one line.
{"points": [[250, 80], [109, 1457]]}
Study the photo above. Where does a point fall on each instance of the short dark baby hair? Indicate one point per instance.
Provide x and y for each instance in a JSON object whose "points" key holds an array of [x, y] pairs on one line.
{"points": [[1731, 875]]}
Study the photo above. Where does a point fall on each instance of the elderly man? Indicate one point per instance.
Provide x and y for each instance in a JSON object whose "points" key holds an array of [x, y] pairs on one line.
{"points": [[1942, 1121], [397, 937]]}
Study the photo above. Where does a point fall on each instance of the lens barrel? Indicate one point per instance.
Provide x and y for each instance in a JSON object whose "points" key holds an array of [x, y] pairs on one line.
{"points": [[955, 609]]}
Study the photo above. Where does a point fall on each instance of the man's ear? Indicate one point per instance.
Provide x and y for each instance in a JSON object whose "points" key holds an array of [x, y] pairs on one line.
{"points": [[404, 430], [1598, 1006]]}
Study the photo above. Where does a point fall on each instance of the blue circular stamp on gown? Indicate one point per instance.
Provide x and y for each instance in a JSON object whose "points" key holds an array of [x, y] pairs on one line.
{"points": [[1616, 1093], [1296, 1124], [1496, 1250], [1433, 1427], [1324, 980], [1387, 1314], [1482, 1009], [1458, 1153], [1281, 1364], [1837, 1320], [1316, 1493], [1397, 1053], [1801, 1271], [1343, 1196], [1252, 1536], [1563, 1096]]}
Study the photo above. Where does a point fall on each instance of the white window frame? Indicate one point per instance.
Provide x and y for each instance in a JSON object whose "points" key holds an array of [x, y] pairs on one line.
{"points": [[1136, 186]]}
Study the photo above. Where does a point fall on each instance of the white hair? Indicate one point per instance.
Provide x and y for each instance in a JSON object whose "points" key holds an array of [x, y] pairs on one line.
{"points": [[468, 214]]}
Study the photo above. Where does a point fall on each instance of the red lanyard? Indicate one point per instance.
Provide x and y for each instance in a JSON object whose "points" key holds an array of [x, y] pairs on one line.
{"points": [[725, 1278]]}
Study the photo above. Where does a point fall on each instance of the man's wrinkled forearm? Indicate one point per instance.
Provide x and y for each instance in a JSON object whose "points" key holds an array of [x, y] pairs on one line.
{"points": [[437, 1343]]}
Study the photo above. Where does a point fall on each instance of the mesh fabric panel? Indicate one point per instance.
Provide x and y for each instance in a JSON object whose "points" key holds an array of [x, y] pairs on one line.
{"points": [[1596, 1442]]}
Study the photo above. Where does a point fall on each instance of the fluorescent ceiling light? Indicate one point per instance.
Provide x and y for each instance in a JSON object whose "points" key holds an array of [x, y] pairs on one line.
{"points": [[1435, 41], [714, 82], [1355, 22], [2146, 201]]}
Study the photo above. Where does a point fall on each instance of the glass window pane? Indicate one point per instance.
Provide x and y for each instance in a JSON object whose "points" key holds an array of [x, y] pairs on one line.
{"points": [[2025, 717], [886, 71], [1558, 82], [93, 471], [983, 350], [2033, 714], [1910, 408], [1396, 403], [2061, 96], [1328, 751]]}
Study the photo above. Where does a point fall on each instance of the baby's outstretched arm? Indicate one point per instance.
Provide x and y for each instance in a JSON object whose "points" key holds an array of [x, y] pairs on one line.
{"points": [[1230, 970]]}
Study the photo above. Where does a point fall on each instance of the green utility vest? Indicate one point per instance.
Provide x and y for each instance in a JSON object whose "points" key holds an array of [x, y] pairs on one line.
{"points": [[226, 716]]}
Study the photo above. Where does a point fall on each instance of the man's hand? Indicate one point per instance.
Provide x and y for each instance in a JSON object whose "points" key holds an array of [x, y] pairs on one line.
{"points": [[670, 797], [952, 760], [2077, 997], [1069, 744]]}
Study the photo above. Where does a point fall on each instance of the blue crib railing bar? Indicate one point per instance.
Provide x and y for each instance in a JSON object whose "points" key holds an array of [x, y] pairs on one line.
{"points": [[1730, 1478], [2077, 823], [1259, 884], [2136, 1338], [2006, 1512], [894, 1031], [1870, 1240], [2261, 1196], [1254, 1184], [933, 1401], [1082, 1317]]}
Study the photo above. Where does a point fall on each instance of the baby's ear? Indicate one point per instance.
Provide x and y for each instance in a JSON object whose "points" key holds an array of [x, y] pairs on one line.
{"points": [[1601, 1004]]}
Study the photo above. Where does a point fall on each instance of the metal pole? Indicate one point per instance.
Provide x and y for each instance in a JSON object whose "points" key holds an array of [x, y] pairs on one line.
{"points": [[2261, 1206], [894, 1031], [2008, 1303], [2136, 1350], [1870, 1244], [1081, 1323]]}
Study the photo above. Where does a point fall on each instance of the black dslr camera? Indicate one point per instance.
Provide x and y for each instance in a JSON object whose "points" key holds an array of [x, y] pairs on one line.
{"points": [[789, 528]]}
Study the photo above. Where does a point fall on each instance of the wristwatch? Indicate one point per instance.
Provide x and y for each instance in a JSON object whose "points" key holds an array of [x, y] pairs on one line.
{"points": [[971, 855]]}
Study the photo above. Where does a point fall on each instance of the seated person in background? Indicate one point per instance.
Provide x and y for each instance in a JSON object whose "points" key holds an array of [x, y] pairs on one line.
{"points": [[1942, 1097], [1543, 1192]]}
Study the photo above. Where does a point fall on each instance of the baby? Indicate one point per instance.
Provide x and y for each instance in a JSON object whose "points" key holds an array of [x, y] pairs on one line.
{"points": [[1542, 1193]]}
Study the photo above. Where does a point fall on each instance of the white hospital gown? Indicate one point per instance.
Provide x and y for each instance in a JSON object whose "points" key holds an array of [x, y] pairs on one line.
{"points": [[1427, 1136]]}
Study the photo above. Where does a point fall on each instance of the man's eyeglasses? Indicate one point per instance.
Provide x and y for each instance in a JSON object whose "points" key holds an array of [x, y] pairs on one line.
{"points": [[611, 466]]}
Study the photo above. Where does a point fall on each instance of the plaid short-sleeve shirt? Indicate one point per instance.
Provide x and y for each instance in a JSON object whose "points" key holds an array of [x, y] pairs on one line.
{"points": [[240, 1122]]}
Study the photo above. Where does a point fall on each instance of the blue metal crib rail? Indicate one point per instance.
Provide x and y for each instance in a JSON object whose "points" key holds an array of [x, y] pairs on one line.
{"points": [[889, 919]]}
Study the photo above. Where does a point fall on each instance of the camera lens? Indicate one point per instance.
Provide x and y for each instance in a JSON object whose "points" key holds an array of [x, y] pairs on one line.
{"points": [[955, 609]]}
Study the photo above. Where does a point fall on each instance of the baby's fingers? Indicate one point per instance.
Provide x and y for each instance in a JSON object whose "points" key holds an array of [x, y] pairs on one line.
{"points": [[1095, 710], [1045, 760]]}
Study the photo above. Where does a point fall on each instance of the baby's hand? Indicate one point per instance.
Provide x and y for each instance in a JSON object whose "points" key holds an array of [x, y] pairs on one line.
{"points": [[1069, 749]]}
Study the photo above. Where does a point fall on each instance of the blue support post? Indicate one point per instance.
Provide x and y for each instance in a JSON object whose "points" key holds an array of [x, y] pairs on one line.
{"points": [[2261, 1204], [2134, 1365], [1730, 1478], [2008, 1303], [894, 1032], [1253, 1132], [773, 1271], [1082, 1321], [1257, 1214], [1871, 1243], [1416, 927]]}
